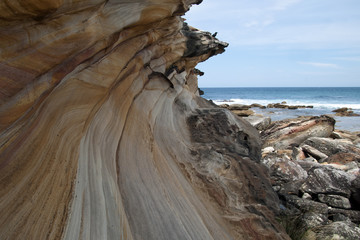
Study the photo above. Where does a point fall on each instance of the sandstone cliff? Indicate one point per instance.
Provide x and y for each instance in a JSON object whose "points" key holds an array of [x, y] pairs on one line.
{"points": [[103, 135]]}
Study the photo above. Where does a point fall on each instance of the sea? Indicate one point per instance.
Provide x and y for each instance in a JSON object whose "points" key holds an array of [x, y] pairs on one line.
{"points": [[323, 99]]}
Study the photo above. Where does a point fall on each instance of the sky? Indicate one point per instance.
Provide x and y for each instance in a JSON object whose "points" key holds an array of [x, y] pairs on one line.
{"points": [[281, 43]]}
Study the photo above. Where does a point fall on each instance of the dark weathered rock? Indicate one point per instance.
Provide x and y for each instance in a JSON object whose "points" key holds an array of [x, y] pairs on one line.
{"points": [[335, 201], [341, 110], [342, 134], [355, 193], [306, 205], [327, 181], [353, 215], [284, 170], [298, 154], [218, 128], [337, 230], [343, 158], [313, 219], [280, 105], [314, 152], [338, 217], [260, 123], [330, 146], [308, 163], [292, 132], [345, 112]]}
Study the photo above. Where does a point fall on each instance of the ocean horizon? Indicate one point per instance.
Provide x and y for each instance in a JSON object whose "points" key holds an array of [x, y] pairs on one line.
{"points": [[323, 99]]}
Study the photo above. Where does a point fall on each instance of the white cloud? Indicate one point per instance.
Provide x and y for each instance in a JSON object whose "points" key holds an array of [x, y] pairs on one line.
{"points": [[322, 65]]}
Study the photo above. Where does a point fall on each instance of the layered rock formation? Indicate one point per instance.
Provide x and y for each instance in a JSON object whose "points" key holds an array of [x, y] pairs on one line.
{"points": [[103, 136]]}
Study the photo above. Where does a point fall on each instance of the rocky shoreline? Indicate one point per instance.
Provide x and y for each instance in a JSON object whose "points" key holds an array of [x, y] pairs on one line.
{"points": [[314, 169]]}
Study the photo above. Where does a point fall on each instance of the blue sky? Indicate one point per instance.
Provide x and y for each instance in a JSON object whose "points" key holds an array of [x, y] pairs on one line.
{"points": [[281, 43]]}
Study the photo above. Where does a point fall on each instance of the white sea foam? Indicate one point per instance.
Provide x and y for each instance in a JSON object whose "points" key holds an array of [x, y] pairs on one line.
{"points": [[319, 105]]}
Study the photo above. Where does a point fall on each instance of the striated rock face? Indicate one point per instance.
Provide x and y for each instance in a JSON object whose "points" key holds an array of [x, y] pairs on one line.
{"points": [[103, 135]]}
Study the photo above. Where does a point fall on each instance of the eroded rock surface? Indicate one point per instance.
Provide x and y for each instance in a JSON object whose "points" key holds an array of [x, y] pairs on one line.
{"points": [[103, 135], [292, 132]]}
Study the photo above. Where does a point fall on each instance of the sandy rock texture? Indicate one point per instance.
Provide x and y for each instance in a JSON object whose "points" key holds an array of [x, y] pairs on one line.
{"points": [[103, 135]]}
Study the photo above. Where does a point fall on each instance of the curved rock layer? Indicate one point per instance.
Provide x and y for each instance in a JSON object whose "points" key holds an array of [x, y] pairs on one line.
{"points": [[103, 135]]}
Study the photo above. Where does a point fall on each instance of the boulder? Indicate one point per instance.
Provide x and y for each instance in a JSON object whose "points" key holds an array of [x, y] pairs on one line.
{"points": [[339, 110], [238, 107], [283, 170], [292, 132], [260, 123], [243, 113], [257, 105], [335, 201], [280, 105], [327, 180], [337, 230]]}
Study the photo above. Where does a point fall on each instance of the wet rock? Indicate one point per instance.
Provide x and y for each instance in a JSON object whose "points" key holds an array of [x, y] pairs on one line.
{"points": [[337, 230], [293, 107], [327, 181], [335, 201], [345, 112], [260, 123], [292, 132], [339, 110]]}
